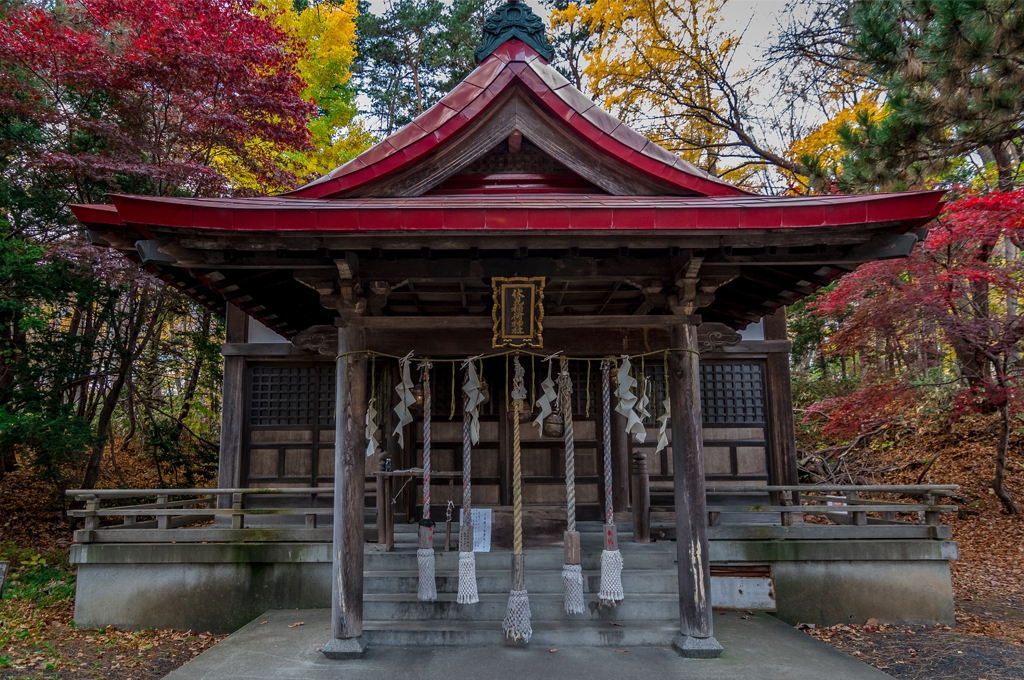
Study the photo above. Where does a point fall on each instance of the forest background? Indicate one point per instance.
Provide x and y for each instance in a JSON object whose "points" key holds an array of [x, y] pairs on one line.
{"points": [[101, 363]]}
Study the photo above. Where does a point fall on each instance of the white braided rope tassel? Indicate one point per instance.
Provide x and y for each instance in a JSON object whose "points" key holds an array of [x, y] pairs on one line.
{"points": [[517, 621], [611, 577], [428, 587], [467, 579], [572, 580]]}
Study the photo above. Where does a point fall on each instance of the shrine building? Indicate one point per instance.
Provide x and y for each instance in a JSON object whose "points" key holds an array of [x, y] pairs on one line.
{"points": [[417, 299]]}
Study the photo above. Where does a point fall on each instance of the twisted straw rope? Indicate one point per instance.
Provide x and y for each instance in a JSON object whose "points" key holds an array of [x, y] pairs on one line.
{"points": [[426, 440], [467, 449], [570, 444], [517, 481], [606, 367]]}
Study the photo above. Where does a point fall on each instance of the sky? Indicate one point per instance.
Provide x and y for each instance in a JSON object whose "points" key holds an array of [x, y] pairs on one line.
{"points": [[755, 19]]}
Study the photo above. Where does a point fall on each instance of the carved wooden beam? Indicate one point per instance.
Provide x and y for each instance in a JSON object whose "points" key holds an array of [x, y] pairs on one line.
{"points": [[321, 339], [712, 336]]}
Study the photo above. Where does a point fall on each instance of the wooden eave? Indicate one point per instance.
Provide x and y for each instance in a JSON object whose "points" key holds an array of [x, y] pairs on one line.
{"points": [[602, 255]]}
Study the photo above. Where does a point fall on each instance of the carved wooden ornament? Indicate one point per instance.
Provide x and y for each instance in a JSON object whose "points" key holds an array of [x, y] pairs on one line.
{"points": [[518, 311], [712, 336], [322, 339]]}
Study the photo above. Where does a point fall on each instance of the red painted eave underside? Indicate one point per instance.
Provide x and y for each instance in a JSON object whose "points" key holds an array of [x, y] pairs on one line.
{"points": [[514, 64], [547, 212]]}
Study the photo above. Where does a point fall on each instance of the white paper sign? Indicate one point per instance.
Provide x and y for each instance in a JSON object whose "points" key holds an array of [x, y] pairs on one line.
{"points": [[481, 529]]}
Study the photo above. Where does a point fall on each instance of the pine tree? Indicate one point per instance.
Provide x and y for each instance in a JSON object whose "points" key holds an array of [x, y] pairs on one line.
{"points": [[953, 74]]}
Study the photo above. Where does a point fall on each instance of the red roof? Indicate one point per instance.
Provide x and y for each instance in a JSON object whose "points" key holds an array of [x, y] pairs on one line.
{"points": [[504, 212], [515, 63]]}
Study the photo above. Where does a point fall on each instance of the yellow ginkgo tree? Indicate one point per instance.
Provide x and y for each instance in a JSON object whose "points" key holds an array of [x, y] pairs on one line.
{"points": [[326, 33], [665, 67], [323, 37]]}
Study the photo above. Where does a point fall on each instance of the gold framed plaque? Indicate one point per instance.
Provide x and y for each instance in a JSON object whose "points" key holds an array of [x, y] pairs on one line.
{"points": [[518, 311]]}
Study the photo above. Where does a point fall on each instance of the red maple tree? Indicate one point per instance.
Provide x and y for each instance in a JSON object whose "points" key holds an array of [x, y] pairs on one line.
{"points": [[150, 96], [961, 286]]}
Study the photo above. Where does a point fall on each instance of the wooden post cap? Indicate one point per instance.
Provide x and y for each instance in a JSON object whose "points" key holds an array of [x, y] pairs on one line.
{"points": [[572, 547]]}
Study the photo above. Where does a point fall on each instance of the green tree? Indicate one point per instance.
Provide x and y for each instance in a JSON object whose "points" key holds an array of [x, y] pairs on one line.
{"points": [[953, 76], [414, 53]]}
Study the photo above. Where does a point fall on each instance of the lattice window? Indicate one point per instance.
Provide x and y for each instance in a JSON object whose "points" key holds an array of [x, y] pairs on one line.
{"points": [[291, 396], [732, 393]]}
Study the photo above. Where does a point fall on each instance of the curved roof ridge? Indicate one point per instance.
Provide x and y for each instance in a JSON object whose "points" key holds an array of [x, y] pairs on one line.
{"points": [[515, 63]]}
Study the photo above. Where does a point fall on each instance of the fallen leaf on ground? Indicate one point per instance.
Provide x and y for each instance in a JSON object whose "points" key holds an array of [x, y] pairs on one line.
{"points": [[297, 624], [612, 623]]}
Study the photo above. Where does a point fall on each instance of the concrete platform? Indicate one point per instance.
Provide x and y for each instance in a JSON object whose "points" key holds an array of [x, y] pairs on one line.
{"points": [[756, 648]]}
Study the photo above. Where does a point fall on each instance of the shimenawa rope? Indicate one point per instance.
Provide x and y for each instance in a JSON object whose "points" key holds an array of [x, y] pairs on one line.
{"points": [[572, 573], [611, 559], [517, 620], [425, 553], [467, 558]]}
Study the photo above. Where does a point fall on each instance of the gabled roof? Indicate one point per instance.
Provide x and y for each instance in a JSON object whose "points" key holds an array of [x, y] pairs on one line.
{"points": [[516, 67]]}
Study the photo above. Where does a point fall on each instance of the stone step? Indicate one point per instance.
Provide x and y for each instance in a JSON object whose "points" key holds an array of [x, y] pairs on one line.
{"points": [[656, 556], [546, 634], [650, 581], [493, 607]]}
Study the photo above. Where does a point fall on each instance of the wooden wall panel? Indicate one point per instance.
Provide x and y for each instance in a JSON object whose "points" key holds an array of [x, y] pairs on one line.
{"points": [[298, 462], [263, 464]]}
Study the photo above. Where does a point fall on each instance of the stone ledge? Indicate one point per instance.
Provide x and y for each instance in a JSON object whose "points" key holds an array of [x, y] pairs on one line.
{"points": [[731, 552]]}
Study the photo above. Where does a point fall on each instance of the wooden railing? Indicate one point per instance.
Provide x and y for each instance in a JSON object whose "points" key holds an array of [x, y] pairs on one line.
{"points": [[165, 521], [819, 499], [193, 515], [862, 511]]}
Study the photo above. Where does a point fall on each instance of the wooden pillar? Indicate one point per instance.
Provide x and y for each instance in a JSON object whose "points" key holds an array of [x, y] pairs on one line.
{"points": [[782, 459], [349, 501], [620, 463], [695, 616], [232, 414]]}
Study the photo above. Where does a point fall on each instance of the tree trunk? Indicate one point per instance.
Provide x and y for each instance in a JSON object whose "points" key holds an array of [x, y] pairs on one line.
{"points": [[999, 481], [135, 342], [1004, 166], [92, 469], [193, 380]]}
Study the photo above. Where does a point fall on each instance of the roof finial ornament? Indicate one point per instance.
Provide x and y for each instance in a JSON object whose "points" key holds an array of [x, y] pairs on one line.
{"points": [[514, 19]]}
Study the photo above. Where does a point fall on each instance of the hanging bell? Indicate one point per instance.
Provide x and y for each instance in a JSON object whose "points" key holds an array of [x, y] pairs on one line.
{"points": [[485, 391], [553, 426], [417, 394]]}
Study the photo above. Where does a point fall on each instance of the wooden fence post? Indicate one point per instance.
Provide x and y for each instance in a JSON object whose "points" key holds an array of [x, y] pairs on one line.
{"points": [[162, 521], [92, 521], [237, 514]]}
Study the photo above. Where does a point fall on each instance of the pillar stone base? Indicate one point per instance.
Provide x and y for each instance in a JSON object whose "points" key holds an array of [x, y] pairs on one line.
{"points": [[697, 648], [344, 648]]}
